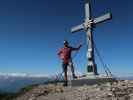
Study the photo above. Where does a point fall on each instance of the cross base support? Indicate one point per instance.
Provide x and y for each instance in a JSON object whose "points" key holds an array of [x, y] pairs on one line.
{"points": [[91, 81], [92, 69]]}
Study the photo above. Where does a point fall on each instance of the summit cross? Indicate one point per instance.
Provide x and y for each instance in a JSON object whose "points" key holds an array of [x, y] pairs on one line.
{"points": [[87, 25]]}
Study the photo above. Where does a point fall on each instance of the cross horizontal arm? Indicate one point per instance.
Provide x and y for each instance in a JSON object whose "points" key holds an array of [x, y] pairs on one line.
{"points": [[77, 28], [102, 18]]}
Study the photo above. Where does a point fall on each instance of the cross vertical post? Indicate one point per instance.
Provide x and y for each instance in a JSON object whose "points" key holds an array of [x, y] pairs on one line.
{"points": [[91, 66]]}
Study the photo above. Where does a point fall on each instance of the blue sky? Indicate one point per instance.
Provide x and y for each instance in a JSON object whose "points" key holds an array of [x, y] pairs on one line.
{"points": [[32, 31]]}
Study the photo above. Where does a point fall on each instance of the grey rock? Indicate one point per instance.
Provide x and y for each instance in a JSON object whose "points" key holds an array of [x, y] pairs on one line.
{"points": [[122, 90]]}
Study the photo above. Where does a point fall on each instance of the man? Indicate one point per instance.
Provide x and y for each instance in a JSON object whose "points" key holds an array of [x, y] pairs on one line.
{"points": [[65, 55]]}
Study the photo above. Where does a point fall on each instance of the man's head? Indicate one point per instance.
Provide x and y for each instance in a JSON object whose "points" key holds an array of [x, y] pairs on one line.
{"points": [[66, 44]]}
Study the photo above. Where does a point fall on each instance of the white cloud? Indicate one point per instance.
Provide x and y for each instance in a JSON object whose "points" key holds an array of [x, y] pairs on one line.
{"points": [[23, 75]]}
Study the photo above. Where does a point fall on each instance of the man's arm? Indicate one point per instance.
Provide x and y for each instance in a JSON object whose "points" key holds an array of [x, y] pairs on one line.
{"points": [[59, 53], [75, 49]]}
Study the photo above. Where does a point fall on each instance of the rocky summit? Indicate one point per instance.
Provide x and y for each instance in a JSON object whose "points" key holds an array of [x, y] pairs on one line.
{"points": [[120, 90]]}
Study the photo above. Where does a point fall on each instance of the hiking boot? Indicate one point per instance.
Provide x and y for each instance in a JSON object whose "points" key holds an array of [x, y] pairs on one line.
{"points": [[75, 77], [65, 84]]}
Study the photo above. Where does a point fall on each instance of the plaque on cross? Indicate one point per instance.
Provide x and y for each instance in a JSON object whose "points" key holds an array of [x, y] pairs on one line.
{"points": [[87, 25]]}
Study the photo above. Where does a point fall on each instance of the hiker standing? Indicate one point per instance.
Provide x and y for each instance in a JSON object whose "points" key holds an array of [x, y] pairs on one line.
{"points": [[65, 54]]}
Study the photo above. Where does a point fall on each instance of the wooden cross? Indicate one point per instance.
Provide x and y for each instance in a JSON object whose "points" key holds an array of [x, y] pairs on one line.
{"points": [[87, 25]]}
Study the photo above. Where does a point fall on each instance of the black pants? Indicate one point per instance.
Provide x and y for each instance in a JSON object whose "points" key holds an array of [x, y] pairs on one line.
{"points": [[65, 66]]}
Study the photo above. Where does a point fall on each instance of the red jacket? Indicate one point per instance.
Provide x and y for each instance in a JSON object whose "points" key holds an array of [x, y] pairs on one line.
{"points": [[65, 53]]}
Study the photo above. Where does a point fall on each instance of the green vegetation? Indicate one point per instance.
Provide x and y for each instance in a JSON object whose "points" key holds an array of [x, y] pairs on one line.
{"points": [[27, 88]]}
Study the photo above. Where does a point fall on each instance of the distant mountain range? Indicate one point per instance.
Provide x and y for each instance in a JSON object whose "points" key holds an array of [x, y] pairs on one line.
{"points": [[126, 78], [14, 82]]}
